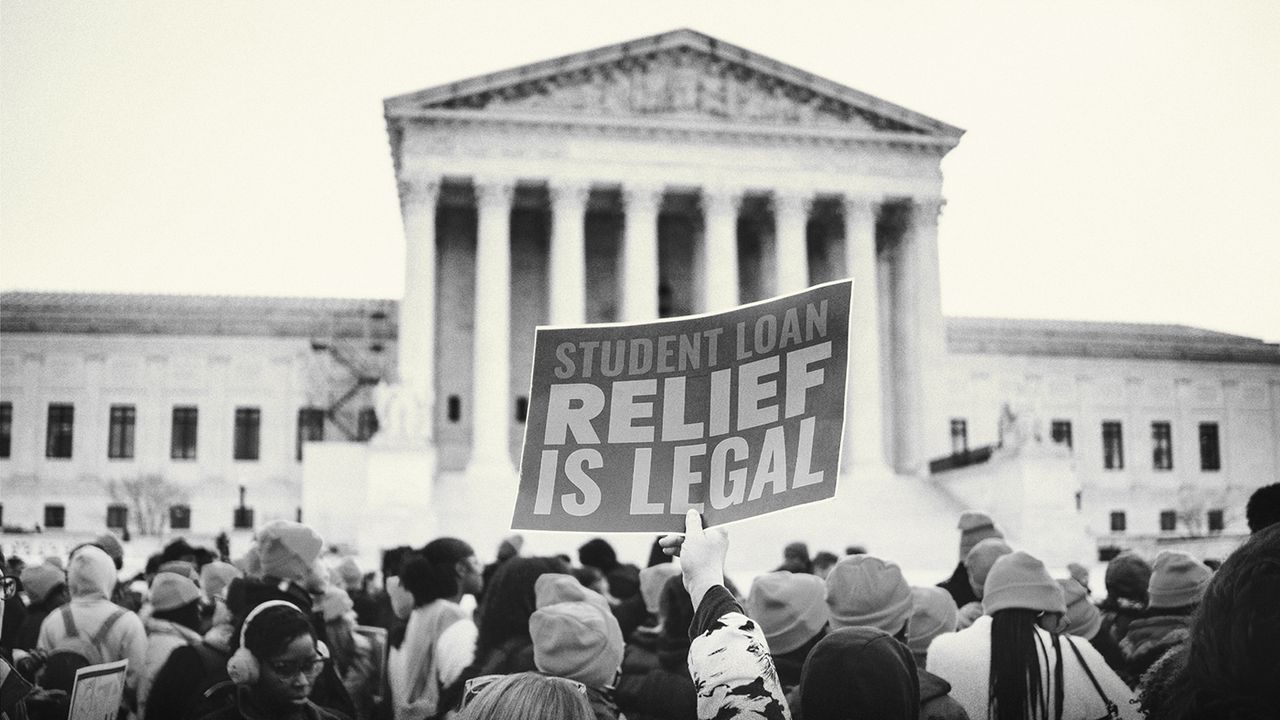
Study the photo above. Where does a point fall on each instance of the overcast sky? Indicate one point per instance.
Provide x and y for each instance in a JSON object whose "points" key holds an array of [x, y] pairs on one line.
{"points": [[1121, 160]]}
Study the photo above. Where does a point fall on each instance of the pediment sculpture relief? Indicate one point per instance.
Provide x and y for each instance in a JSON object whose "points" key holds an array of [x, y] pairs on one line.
{"points": [[677, 84]]}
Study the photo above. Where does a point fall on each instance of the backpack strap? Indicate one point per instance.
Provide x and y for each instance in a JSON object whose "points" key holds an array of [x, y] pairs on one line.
{"points": [[100, 638], [69, 621], [1112, 710]]}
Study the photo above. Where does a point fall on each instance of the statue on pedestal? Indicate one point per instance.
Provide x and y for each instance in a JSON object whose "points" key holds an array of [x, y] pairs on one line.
{"points": [[403, 415]]}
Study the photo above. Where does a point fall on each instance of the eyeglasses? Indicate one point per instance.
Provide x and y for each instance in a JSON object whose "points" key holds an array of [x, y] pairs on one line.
{"points": [[475, 685], [286, 668], [9, 587]]}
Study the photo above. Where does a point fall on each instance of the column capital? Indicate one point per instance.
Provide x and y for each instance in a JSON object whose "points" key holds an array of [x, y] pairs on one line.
{"points": [[858, 204], [643, 197], [928, 208], [495, 189], [722, 198], [415, 190], [574, 192], [794, 202]]}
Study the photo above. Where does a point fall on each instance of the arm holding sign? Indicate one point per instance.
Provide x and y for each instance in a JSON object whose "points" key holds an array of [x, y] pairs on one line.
{"points": [[729, 657]]}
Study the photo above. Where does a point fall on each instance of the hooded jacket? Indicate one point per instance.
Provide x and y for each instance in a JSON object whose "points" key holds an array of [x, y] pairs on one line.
{"points": [[91, 576]]}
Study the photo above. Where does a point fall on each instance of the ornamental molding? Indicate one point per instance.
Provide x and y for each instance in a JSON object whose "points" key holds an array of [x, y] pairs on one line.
{"points": [[669, 130], [681, 81]]}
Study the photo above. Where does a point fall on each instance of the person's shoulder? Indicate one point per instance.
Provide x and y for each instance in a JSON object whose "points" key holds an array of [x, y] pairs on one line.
{"points": [[324, 713]]}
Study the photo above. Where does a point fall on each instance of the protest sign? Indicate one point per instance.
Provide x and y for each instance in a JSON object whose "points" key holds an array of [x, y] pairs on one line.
{"points": [[735, 414], [98, 691]]}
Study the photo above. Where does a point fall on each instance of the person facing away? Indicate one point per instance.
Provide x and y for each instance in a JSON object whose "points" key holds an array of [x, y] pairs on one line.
{"points": [[1227, 666], [528, 696], [575, 636], [1126, 581], [46, 587], [1178, 581], [977, 564], [274, 668], [174, 622], [439, 639], [117, 633], [1012, 663], [974, 526], [663, 691]]}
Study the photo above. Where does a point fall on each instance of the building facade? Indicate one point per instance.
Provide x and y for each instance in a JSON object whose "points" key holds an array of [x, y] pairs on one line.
{"points": [[670, 175]]}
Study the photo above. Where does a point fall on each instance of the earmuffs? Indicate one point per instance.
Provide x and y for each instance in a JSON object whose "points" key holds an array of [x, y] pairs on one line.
{"points": [[242, 666]]}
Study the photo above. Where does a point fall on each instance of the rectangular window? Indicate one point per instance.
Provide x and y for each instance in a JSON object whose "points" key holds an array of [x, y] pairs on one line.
{"points": [[58, 437], [1060, 431], [180, 517], [117, 516], [242, 518], [1168, 521], [1209, 456], [1161, 446], [55, 516], [959, 436], [183, 443], [6, 427], [366, 424], [1216, 521], [1118, 521], [310, 427], [248, 425], [120, 439], [1112, 446]]}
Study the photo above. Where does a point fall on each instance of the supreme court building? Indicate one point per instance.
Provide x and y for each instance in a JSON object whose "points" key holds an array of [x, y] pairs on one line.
{"points": [[670, 175]]}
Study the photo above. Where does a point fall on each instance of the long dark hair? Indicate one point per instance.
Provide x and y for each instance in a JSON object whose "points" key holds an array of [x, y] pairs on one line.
{"points": [[509, 601], [1015, 685], [1233, 656]]}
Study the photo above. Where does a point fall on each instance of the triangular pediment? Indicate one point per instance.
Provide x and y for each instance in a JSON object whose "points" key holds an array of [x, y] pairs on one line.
{"points": [[680, 75]]}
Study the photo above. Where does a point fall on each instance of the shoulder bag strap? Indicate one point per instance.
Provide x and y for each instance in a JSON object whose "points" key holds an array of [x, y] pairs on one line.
{"points": [[1059, 684], [100, 637], [1112, 710], [69, 621]]}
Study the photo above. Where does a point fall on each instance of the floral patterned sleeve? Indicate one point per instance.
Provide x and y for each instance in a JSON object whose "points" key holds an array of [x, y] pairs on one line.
{"points": [[730, 663]]}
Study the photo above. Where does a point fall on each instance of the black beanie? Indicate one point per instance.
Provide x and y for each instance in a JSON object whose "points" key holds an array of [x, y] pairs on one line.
{"points": [[859, 672]]}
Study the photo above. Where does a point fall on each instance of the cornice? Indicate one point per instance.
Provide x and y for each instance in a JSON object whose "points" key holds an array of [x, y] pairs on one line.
{"points": [[669, 129]]}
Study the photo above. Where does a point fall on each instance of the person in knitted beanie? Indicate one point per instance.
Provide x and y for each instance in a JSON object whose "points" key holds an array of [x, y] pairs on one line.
{"points": [[1010, 657], [1178, 581], [860, 672], [1085, 620], [975, 526], [978, 563], [791, 609], [576, 637], [289, 550], [46, 587], [933, 613], [863, 590], [1126, 581]]}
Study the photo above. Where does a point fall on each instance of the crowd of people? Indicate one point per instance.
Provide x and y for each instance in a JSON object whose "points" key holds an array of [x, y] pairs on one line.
{"points": [[292, 630]]}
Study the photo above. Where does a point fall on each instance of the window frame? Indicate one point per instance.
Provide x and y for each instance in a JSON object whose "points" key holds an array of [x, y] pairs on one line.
{"points": [[1172, 517], [1161, 445], [1119, 521], [311, 421], [1060, 432], [247, 434], [181, 431], [1209, 434], [174, 515], [60, 431], [6, 429], [117, 512], [960, 432], [122, 423], [55, 510], [1112, 461]]}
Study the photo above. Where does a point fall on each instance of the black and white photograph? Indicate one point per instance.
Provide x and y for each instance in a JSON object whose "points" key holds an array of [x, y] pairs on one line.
{"points": [[641, 361]]}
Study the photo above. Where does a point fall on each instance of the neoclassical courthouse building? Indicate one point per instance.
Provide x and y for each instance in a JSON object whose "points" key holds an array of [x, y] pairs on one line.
{"points": [[670, 175]]}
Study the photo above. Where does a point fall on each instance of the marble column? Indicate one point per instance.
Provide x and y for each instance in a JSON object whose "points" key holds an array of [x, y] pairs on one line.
{"points": [[720, 214], [568, 282], [640, 253], [416, 342], [864, 441], [490, 455], [931, 326], [791, 217]]}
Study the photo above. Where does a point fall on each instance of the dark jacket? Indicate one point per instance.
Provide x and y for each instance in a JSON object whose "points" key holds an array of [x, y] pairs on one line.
{"points": [[936, 702], [238, 706], [1151, 636], [655, 687]]}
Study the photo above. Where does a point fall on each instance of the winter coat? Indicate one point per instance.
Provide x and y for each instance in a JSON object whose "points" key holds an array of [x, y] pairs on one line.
{"points": [[126, 640], [936, 702], [656, 686], [964, 659], [163, 637], [730, 663], [1148, 638], [439, 643], [239, 707]]}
